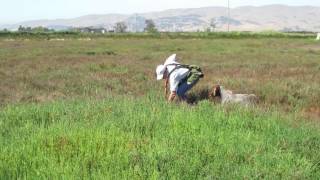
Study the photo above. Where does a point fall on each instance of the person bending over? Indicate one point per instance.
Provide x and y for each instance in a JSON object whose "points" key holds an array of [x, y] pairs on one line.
{"points": [[181, 77]]}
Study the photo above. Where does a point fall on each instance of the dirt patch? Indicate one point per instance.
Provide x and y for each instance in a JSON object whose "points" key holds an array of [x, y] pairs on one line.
{"points": [[312, 113], [315, 47]]}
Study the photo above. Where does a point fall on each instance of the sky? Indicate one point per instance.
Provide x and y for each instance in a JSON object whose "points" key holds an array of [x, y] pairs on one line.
{"points": [[14, 11]]}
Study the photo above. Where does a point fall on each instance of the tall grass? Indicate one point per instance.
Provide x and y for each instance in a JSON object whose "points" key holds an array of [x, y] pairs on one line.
{"points": [[121, 138]]}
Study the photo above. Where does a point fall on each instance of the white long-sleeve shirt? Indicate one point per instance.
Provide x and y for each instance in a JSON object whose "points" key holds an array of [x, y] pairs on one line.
{"points": [[177, 75]]}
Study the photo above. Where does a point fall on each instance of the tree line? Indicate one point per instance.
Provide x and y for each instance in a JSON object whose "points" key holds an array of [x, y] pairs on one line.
{"points": [[122, 27], [34, 29], [119, 27]]}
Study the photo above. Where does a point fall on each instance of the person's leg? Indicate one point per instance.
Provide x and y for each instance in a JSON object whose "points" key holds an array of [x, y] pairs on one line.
{"points": [[183, 88]]}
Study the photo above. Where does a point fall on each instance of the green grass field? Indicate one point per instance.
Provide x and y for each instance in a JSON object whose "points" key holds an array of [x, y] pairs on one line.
{"points": [[91, 108]]}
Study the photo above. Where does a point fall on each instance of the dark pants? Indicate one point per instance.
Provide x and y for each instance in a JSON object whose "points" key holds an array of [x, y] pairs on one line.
{"points": [[183, 88]]}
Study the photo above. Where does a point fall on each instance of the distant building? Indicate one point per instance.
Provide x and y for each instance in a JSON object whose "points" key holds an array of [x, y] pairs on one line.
{"points": [[93, 30]]}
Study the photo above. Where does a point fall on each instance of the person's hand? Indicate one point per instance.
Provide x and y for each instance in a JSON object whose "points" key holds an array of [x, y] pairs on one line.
{"points": [[172, 96]]}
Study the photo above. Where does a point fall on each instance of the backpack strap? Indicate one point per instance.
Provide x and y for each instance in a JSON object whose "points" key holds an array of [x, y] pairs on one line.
{"points": [[178, 66]]}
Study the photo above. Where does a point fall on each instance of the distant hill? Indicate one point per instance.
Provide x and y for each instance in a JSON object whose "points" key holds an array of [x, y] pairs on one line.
{"points": [[246, 18]]}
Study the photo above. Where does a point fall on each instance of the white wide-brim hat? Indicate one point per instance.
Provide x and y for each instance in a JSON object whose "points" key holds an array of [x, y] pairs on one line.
{"points": [[160, 71]]}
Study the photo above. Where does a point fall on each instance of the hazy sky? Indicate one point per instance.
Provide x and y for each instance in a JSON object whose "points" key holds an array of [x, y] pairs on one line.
{"points": [[12, 11]]}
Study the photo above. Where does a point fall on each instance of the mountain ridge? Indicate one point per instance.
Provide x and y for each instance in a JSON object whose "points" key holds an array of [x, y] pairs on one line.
{"points": [[245, 18]]}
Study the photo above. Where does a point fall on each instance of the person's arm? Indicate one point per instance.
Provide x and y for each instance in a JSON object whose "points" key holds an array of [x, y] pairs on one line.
{"points": [[166, 88], [173, 87], [172, 96]]}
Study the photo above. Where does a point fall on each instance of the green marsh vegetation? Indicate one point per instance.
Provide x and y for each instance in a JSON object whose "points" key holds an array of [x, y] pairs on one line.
{"points": [[91, 108]]}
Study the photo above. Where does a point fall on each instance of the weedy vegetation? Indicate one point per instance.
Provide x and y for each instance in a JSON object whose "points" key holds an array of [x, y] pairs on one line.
{"points": [[93, 109]]}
